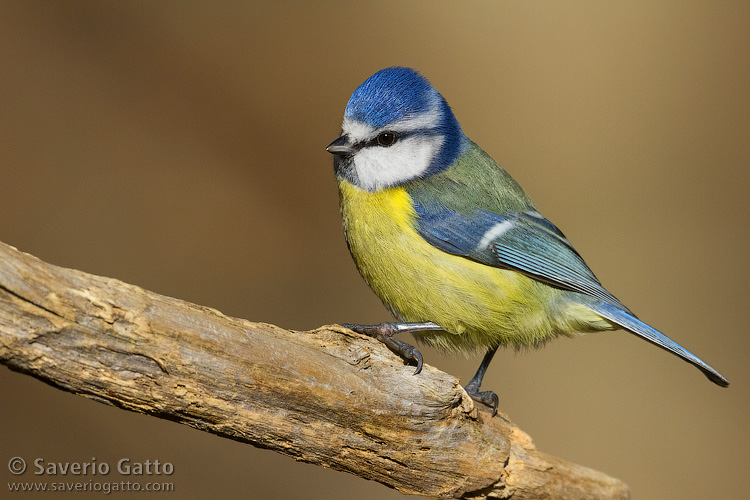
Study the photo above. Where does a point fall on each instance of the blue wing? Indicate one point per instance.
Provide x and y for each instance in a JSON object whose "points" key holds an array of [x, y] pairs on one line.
{"points": [[520, 240], [527, 242]]}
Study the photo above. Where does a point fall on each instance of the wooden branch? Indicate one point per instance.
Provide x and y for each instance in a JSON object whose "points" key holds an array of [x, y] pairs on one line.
{"points": [[328, 396]]}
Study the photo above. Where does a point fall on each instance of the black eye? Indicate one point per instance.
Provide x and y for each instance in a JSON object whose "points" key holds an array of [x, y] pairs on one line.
{"points": [[386, 139]]}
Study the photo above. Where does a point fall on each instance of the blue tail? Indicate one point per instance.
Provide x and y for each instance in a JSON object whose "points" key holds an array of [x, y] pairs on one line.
{"points": [[654, 336]]}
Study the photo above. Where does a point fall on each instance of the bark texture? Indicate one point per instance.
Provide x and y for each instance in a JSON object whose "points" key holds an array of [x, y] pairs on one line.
{"points": [[328, 396]]}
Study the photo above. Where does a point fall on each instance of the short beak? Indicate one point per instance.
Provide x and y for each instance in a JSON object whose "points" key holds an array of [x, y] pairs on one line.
{"points": [[340, 147]]}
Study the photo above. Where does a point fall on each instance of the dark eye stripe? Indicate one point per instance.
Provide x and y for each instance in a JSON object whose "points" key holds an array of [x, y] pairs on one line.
{"points": [[399, 134]]}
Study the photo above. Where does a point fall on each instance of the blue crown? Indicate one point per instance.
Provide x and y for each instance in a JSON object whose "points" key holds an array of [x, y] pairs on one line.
{"points": [[389, 95]]}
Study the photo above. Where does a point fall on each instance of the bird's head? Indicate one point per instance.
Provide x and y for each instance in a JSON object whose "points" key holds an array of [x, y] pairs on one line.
{"points": [[397, 128]]}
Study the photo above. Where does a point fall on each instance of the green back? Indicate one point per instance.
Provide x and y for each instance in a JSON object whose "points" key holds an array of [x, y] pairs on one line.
{"points": [[476, 181]]}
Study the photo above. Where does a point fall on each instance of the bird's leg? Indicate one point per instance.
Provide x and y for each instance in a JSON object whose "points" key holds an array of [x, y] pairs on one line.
{"points": [[384, 332], [472, 388]]}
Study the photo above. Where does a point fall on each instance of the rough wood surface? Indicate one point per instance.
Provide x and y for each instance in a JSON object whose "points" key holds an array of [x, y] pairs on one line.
{"points": [[328, 396]]}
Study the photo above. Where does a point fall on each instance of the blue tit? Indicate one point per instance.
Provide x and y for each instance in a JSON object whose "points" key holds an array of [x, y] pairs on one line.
{"points": [[449, 241]]}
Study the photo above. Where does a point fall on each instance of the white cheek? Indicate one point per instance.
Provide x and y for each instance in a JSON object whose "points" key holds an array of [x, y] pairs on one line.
{"points": [[408, 159]]}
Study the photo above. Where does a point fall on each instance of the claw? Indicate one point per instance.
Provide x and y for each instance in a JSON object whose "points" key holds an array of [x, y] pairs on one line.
{"points": [[488, 398], [418, 357], [384, 333], [406, 351], [472, 388], [409, 352]]}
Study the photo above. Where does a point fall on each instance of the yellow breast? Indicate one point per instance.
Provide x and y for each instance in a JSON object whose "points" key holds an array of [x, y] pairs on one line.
{"points": [[477, 305]]}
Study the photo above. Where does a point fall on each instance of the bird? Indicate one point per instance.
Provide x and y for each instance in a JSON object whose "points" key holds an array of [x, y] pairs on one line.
{"points": [[450, 242]]}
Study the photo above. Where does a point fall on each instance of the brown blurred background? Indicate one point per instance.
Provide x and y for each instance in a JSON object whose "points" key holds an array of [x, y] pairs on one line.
{"points": [[180, 147]]}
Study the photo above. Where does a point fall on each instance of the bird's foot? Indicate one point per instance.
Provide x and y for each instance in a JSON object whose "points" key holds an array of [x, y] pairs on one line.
{"points": [[472, 388], [384, 332], [488, 398]]}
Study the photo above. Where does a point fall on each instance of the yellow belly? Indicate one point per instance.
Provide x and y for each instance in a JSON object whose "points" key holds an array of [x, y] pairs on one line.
{"points": [[477, 305]]}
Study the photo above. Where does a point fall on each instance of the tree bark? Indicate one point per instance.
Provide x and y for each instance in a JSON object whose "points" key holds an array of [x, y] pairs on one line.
{"points": [[328, 396]]}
